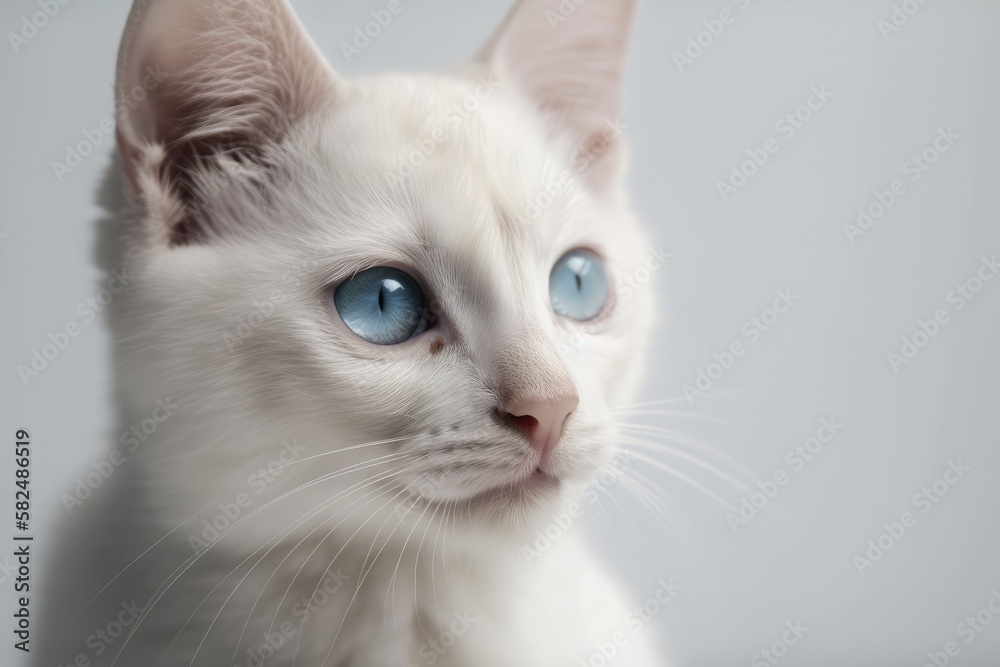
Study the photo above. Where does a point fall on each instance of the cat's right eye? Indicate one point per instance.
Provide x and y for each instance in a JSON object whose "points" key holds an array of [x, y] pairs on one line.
{"points": [[578, 285], [383, 305]]}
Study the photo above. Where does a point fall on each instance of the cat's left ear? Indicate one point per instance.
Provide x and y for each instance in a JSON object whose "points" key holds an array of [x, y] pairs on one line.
{"points": [[198, 79], [568, 56]]}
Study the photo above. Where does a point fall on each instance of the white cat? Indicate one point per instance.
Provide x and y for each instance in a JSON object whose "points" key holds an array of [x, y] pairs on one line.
{"points": [[383, 314]]}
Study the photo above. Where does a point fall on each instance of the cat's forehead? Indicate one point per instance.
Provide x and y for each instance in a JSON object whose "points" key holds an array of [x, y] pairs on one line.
{"points": [[443, 170]]}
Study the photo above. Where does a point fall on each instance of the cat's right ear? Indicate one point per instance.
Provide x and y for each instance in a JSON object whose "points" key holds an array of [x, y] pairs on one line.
{"points": [[568, 57], [198, 79]]}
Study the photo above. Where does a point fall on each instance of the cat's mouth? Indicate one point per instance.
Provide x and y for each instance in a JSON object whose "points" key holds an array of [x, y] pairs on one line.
{"points": [[537, 482], [541, 478], [536, 485]]}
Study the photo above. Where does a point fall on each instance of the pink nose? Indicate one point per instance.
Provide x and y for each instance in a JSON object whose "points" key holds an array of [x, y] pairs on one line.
{"points": [[542, 421]]}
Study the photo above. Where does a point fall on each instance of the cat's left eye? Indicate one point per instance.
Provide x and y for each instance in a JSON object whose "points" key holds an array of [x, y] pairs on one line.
{"points": [[578, 285], [383, 305]]}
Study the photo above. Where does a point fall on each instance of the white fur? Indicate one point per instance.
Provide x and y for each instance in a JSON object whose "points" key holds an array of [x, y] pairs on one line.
{"points": [[424, 523]]}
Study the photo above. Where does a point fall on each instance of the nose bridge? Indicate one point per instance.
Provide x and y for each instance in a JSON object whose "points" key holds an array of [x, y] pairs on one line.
{"points": [[503, 327], [536, 391], [518, 361], [527, 367]]}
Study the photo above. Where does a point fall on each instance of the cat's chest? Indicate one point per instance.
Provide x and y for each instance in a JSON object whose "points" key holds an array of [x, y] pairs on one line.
{"points": [[552, 611]]}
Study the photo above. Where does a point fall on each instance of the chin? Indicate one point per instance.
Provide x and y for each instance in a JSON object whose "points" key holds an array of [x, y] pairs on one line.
{"points": [[513, 512]]}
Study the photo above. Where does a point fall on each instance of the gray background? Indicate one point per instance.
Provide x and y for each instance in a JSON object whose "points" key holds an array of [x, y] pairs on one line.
{"points": [[784, 229]]}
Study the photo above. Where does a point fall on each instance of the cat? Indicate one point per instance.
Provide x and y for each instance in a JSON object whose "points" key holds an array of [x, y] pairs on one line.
{"points": [[370, 346]]}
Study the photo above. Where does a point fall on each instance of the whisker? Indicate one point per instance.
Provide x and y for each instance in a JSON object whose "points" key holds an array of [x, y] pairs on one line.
{"points": [[327, 570], [679, 399], [416, 563], [191, 560], [652, 503], [663, 447], [391, 588], [277, 543], [182, 523], [324, 505], [365, 573], [681, 476], [678, 414], [410, 459]]}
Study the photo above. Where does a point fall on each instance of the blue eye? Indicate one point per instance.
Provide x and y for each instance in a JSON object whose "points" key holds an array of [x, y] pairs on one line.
{"points": [[578, 286], [383, 305]]}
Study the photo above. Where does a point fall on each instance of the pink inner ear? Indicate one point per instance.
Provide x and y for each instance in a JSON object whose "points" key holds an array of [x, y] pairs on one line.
{"points": [[201, 79], [570, 60]]}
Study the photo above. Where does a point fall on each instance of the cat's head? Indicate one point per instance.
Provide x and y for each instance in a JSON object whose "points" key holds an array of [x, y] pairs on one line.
{"points": [[428, 263]]}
